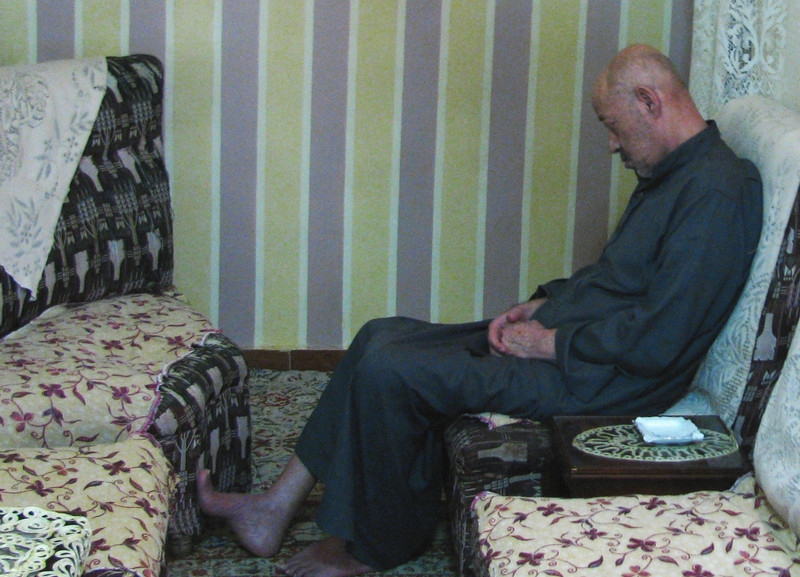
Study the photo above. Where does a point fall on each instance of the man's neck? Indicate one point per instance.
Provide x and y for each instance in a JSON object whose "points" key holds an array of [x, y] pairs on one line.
{"points": [[685, 122]]}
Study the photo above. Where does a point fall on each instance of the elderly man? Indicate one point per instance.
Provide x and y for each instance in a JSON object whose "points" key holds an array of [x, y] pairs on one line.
{"points": [[623, 336]]}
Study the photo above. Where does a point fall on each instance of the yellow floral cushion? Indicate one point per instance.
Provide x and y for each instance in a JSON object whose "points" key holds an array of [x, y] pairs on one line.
{"points": [[706, 534], [89, 373], [123, 489]]}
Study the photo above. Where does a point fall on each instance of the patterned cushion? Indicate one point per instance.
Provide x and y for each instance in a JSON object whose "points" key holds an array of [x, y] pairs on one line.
{"points": [[698, 535], [114, 235], [507, 460], [88, 373], [122, 488]]}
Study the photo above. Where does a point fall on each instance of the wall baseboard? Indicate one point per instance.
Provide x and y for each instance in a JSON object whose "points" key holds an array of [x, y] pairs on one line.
{"points": [[297, 360]]}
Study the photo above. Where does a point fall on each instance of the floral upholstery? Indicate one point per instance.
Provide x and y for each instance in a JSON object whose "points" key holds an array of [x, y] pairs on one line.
{"points": [[97, 372], [697, 535], [122, 488], [89, 373]]}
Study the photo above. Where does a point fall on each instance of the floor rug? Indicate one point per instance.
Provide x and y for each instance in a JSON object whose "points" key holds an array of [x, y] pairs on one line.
{"points": [[281, 402]]}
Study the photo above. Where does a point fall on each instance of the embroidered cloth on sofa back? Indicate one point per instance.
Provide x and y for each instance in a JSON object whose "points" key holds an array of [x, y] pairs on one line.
{"points": [[114, 235]]}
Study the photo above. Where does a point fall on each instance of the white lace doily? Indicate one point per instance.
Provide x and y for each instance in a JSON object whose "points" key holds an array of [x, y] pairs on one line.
{"points": [[36, 542]]}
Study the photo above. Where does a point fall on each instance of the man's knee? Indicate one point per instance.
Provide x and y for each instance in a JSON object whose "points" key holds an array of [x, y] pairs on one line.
{"points": [[378, 333]]}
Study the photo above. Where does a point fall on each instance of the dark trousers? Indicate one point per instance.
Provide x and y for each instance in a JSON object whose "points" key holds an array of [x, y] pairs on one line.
{"points": [[375, 439]]}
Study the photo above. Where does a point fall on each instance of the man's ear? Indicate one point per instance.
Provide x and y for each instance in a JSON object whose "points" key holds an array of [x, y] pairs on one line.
{"points": [[649, 99]]}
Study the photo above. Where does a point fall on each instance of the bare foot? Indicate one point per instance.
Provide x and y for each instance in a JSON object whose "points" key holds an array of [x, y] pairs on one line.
{"points": [[257, 522], [327, 558]]}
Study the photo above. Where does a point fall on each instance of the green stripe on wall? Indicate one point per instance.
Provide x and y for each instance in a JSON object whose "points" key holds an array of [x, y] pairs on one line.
{"points": [[100, 27], [286, 159], [643, 22], [192, 116], [559, 33], [373, 153], [646, 22], [14, 33], [460, 187]]}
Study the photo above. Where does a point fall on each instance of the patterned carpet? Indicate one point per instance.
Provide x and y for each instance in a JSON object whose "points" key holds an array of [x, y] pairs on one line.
{"points": [[281, 403]]}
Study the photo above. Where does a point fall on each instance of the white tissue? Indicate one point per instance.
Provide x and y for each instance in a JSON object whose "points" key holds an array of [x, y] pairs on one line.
{"points": [[668, 430]]}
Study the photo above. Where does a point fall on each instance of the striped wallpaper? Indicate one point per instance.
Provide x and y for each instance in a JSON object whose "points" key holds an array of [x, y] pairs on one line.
{"points": [[334, 161]]}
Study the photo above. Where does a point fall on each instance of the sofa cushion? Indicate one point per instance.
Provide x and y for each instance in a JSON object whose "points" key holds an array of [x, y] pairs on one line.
{"points": [[697, 535], [122, 488], [89, 373], [114, 234]]}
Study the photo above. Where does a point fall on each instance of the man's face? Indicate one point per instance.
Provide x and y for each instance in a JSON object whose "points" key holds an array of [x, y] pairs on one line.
{"points": [[630, 130]]}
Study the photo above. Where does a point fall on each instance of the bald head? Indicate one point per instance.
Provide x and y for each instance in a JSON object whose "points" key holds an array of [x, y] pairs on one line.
{"points": [[646, 107], [642, 65]]}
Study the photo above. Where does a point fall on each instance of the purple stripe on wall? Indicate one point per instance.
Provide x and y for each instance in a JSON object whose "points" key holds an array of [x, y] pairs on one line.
{"points": [[148, 28], [506, 155], [417, 157], [239, 119], [594, 160], [328, 124], [55, 30], [680, 46]]}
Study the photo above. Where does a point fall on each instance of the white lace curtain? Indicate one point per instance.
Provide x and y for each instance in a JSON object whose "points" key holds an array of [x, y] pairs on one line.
{"points": [[742, 47]]}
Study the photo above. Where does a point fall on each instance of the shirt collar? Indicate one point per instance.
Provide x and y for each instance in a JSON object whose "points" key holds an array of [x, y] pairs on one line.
{"points": [[682, 155]]}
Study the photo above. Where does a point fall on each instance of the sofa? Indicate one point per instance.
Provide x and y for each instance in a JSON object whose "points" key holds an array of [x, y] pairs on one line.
{"points": [[503, 521], [114, 390]]}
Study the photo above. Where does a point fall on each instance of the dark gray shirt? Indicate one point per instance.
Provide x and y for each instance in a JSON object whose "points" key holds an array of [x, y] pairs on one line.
{"points": [[670, 275]]}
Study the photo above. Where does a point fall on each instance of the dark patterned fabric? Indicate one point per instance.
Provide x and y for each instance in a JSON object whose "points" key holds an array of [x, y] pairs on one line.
{"points": [[507, 460], [114, 235], [204, 418], [775, 330]]}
